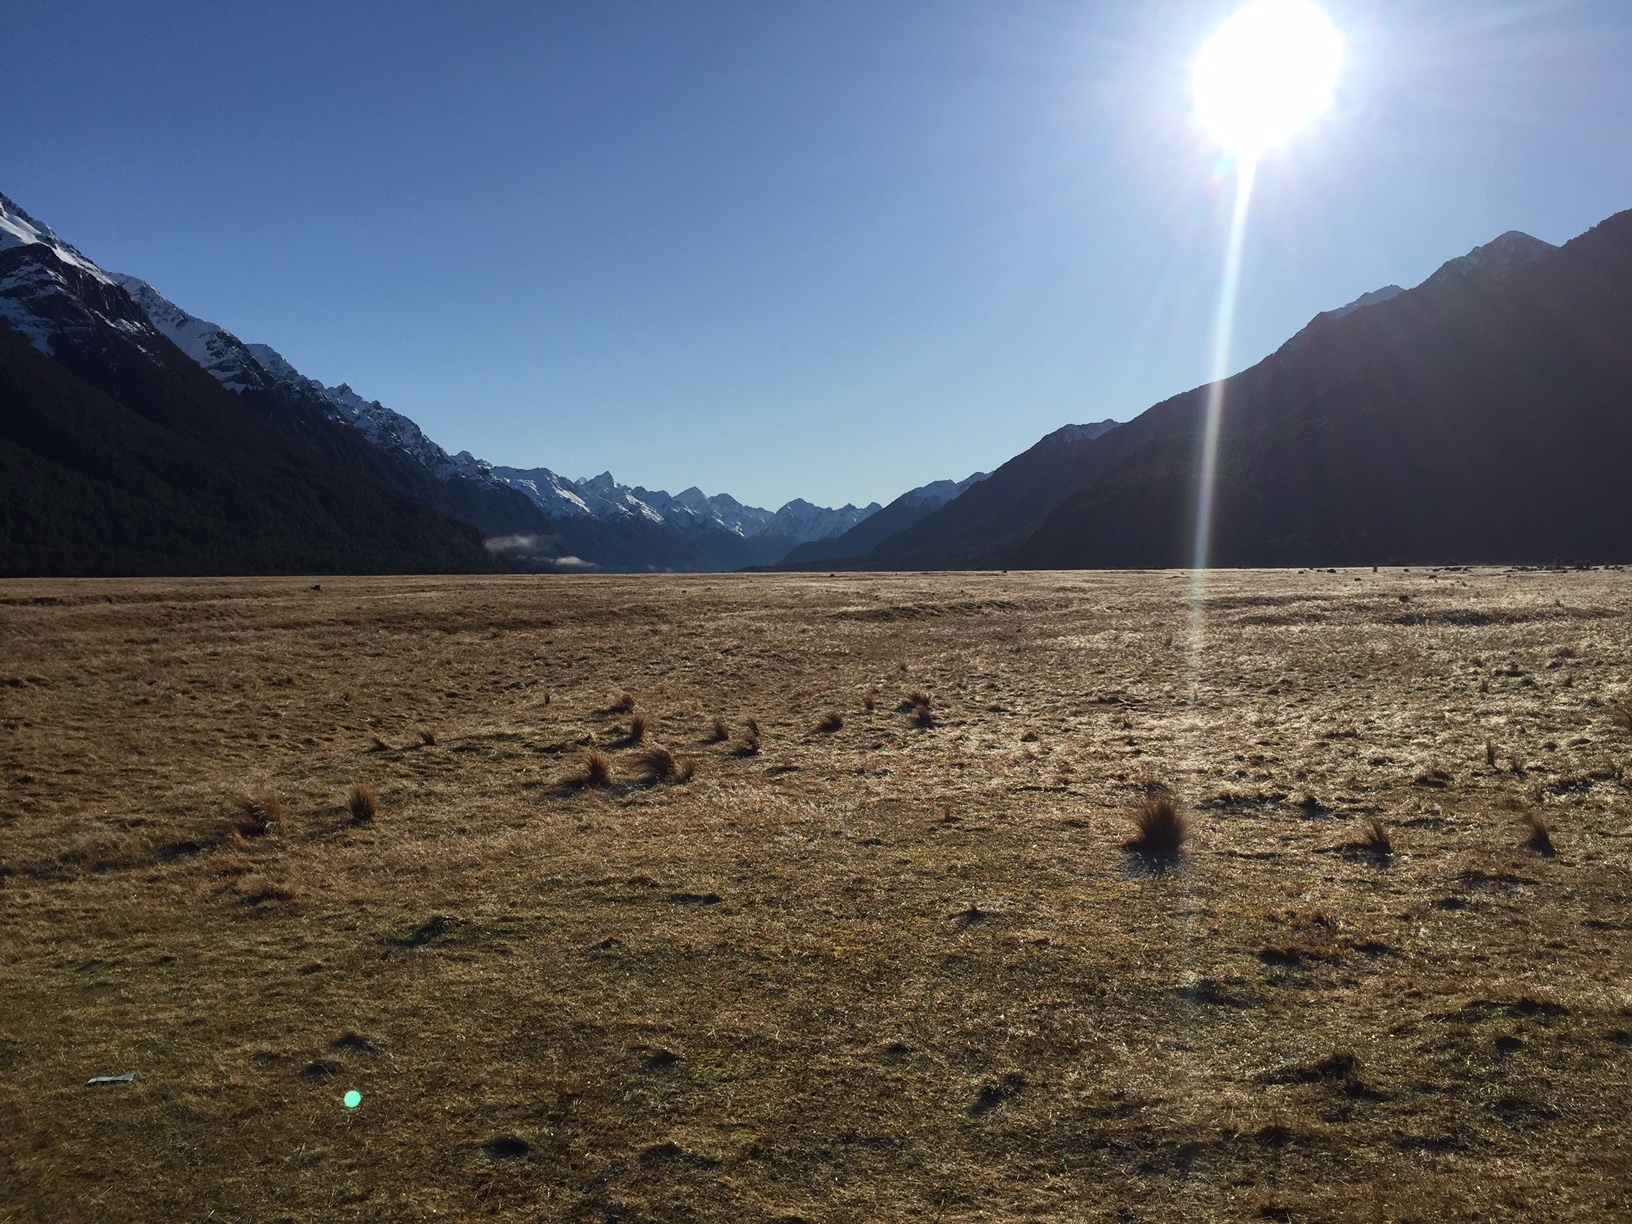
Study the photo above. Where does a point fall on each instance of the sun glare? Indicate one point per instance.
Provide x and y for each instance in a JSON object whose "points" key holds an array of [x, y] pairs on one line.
{"points": [[1268, 71]]}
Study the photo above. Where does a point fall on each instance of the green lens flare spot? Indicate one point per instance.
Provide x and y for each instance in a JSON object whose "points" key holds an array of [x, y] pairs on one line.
{"points": [[353, 1099]]}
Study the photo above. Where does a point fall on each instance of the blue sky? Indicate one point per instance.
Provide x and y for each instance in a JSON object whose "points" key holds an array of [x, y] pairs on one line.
{"points": [[778, 248]]}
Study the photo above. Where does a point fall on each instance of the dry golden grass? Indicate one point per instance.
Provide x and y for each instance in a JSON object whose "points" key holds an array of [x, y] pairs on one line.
{"points": [[889, 974]]}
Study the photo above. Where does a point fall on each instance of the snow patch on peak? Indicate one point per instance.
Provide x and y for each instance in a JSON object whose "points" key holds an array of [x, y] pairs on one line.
{"points": [[937, 493], [1085, 433], [274, 364], [391, 431], [17, 228], [385, 428], [553, 494], [691, 511], [220, 352]]}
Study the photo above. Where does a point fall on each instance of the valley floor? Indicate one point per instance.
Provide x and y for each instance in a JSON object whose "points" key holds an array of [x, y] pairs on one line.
{"points": [[901, 968]]}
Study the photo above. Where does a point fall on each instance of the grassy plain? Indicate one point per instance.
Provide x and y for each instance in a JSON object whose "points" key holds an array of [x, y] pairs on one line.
{"points": [[897, 968]]}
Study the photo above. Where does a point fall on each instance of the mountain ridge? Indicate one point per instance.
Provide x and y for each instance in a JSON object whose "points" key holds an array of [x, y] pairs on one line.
{"points": [[1480, 417]]}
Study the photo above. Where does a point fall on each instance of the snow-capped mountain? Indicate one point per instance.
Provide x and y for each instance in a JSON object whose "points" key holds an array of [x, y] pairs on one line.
{"points": [[691, 511], [46, 297], [244, 367], [124, 456], [69, 296], [61, 295]]}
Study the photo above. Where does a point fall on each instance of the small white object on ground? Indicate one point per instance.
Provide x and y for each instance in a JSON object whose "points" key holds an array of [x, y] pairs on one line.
{"points": [[126, 1078]]}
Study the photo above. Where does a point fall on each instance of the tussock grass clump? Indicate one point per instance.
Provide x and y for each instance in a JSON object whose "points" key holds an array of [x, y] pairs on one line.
{"points": [[749, 745], [870, 702], [376, 744], [596, 771], [1490, 754], [658, 764], [260, 813], [427, 737], [363, 803], [1375, 839], [637, 729], [1159, 828], [718, 733], [1537, 836], [623, 704], [916, 708], [830, 722]]}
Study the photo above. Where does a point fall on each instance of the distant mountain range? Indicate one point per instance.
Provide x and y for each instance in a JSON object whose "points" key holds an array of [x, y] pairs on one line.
{"points": [[64, 306], [1483, 416]]}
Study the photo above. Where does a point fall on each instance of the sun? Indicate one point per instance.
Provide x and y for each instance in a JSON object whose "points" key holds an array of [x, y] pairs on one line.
{"points": [[1268, 71]]}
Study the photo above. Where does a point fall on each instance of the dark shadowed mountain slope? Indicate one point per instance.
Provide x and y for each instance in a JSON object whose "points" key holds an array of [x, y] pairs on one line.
{"points": [[121, 455], [1485, 416], [993, 515]]}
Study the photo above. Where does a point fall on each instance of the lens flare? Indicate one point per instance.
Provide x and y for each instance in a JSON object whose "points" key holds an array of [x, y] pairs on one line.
{"points": [[1269, 70], [353, 1099]]}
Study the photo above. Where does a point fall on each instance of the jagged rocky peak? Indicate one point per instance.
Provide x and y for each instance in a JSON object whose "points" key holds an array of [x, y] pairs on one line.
{"points": [[1499, 257], [220, 352]]}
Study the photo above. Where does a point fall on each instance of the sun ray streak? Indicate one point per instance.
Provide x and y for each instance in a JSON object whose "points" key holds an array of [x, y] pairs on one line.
{"points": [[1213, 414]]}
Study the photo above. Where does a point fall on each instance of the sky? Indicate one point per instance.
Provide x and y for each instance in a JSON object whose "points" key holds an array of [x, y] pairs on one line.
{"points": [[779, 248]]}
